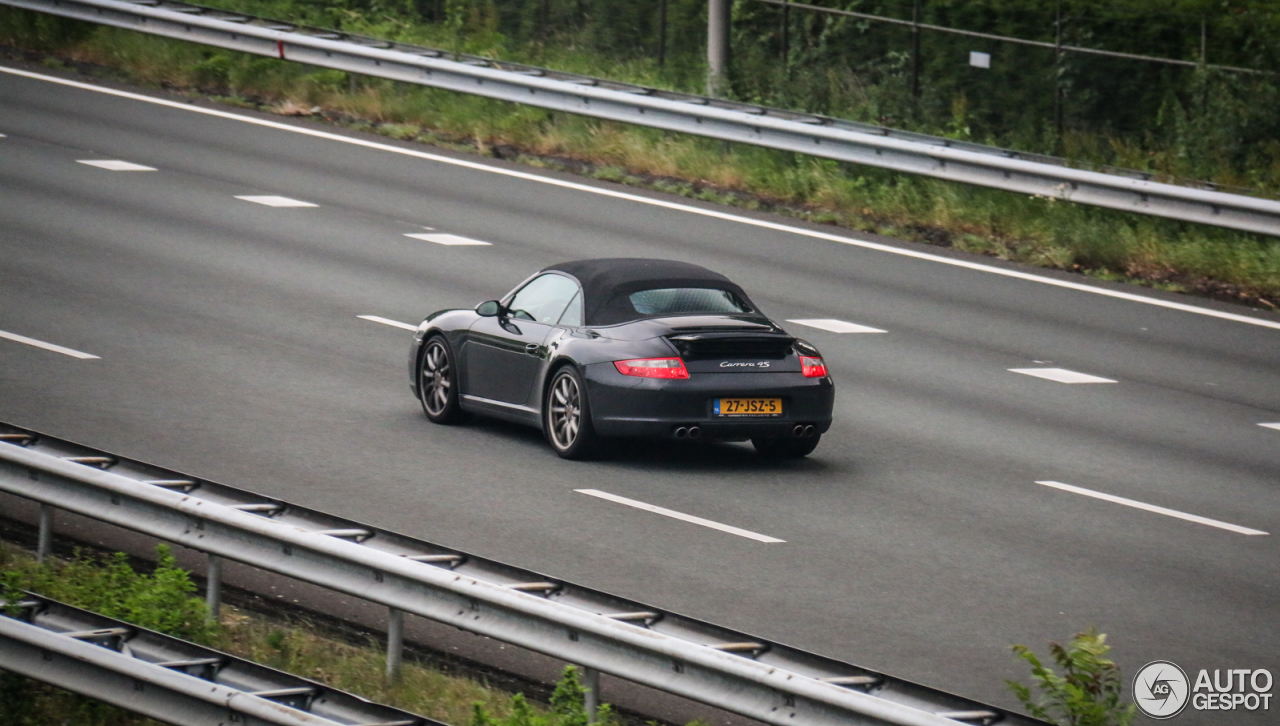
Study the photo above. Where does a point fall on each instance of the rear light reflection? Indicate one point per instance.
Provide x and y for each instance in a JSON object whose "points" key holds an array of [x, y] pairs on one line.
{"points": [[653, 368], [812, 367]]}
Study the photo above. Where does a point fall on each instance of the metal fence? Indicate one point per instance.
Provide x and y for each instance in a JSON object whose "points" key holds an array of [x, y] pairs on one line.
{"points": [[730, 670], [915, 25], [743, 123], [169, 679]]}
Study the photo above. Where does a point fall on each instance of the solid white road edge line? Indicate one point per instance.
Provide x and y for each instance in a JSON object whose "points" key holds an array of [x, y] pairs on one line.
{"points": [[47, 346], [1151, 508], [1275, 426], [865, 244], [680, 515], [388, 321]]}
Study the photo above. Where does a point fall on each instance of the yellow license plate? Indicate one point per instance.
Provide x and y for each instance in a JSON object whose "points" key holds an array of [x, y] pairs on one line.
{"points": [[748, 406]]}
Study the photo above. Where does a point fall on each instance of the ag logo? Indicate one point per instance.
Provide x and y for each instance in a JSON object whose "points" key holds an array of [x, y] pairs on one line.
{"points": [[1160, 688]]}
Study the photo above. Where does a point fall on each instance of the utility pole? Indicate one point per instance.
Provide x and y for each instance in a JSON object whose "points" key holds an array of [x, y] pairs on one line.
{"points": [[786, 33], [1204, 39], [662, 33], [717, 46], [1204, 65], [915, 49], [1057, 72]]}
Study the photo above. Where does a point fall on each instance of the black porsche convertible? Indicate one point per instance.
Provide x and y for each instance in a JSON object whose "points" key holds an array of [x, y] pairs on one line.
{"points": [[596, 349]]}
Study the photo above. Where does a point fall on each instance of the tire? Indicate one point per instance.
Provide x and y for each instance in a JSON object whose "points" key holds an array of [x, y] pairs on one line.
{"points": [[437, 382], [566, 416], [786, 448]]}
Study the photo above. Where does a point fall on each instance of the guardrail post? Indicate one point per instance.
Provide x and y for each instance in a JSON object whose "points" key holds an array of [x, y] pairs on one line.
{"points": [[44, 542], [590, 692], [213, 586], [395, 641]]}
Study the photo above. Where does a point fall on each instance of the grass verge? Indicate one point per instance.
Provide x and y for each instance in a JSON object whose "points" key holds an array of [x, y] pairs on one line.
{"points": [[1040, 231], [164, 600]]}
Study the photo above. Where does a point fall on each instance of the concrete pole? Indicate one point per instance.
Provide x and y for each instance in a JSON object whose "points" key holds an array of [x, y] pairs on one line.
{"points": [[717, 45]]}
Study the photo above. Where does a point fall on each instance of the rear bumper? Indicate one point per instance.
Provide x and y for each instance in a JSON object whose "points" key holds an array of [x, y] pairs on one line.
{"points": [[630, 406]]}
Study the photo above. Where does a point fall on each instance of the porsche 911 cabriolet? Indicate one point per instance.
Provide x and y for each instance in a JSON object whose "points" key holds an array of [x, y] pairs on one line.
{"points": [[610, 348]]}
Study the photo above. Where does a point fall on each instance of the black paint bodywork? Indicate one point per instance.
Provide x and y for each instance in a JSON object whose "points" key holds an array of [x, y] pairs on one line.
{"points": [[504, 366]]}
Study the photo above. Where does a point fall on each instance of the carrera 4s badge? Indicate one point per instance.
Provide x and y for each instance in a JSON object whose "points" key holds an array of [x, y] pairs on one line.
{"points": [[728, 364]]}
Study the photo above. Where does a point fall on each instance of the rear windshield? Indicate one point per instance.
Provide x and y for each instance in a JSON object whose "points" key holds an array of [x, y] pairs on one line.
{"points": [[686, 300]]}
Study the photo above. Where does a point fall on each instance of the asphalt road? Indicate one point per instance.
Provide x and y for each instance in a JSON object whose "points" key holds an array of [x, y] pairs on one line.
{"points": [[917, 540]]}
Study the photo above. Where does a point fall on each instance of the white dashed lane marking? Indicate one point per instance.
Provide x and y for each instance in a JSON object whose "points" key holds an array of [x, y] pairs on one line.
{"points": [[47, 346], [837, 326], [1061, 375], [115, 165], [1275, 426], [1151, 508], [679, 515], [278, 201], [388, 321], [451, 240], [711, 213]]}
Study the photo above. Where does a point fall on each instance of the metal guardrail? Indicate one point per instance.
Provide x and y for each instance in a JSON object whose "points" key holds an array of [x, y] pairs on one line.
{"points": [[167, 678], [734, 671], [760, 126]]}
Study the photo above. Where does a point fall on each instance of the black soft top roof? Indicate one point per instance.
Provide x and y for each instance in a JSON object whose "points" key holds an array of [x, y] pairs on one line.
{"points": [[607, 283]]}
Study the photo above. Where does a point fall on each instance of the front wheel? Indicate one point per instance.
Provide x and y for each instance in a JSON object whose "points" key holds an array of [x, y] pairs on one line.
{"points": [[780, 448], [566, 416], [438, 382]]}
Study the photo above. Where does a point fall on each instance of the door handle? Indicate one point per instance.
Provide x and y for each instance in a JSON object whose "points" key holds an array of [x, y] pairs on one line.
{"points": [[531, 348]]}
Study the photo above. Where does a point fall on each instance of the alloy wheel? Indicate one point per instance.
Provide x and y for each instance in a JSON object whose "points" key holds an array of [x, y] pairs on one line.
{"points": [[566, 411], [437, 378]]}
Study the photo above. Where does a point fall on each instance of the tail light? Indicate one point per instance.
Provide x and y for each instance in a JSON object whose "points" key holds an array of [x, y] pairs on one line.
{"points": [[812, 367], [653, 368]]}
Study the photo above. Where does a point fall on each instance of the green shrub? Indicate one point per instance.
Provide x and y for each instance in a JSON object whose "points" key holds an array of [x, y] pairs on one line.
{"points": [[567, 708], [108, 585], [215, 70], [1088, 692]]}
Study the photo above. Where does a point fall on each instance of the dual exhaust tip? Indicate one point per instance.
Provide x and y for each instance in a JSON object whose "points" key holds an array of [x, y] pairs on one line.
{"points": [[800, 431], [688, 432], [804, 431]]}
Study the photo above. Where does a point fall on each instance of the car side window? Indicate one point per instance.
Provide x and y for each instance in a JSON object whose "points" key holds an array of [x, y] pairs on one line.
{"points": [[544, 299], [572, 316]]}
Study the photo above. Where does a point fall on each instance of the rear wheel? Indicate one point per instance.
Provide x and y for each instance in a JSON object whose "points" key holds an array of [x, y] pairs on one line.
{"points": [[437, 382], [779, 448], [566, 416]]}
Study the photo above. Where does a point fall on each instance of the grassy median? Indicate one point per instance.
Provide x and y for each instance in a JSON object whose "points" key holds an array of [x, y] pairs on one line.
{"points": [[1034, 230], [164, 599]]}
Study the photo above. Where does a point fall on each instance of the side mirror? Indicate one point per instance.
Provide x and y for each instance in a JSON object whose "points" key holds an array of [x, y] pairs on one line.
{"points": [[489, 309]]}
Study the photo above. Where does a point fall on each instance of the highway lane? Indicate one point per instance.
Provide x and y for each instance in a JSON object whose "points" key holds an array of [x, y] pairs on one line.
{"points": [[917, 540]]}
